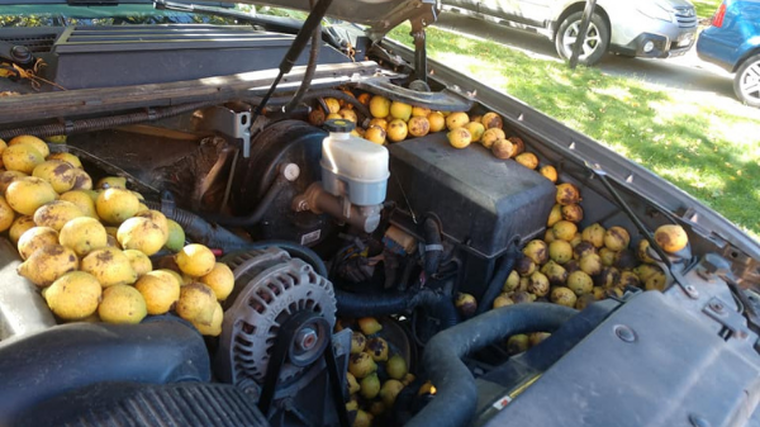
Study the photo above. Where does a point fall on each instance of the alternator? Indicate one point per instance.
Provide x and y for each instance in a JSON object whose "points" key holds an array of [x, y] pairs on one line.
{"points": [[270, 287]]}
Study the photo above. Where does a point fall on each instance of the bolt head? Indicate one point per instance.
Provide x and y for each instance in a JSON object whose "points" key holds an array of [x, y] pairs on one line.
{"points": [[307, 339], [625, 333], [291, 171], [716, 306]]}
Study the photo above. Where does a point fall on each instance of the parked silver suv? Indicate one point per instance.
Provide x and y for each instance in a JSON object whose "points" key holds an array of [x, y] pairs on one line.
{"points": [[645, 28]]}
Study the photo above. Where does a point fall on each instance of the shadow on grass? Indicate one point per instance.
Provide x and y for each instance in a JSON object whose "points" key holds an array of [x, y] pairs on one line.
{"points": [[684, 143]]}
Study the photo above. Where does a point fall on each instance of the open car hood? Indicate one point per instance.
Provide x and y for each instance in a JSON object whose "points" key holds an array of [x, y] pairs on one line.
{"points": [[380, 16]]}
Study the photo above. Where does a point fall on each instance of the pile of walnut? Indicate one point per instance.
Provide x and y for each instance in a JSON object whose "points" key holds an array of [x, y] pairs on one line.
{"points": [[88, 248], [394, 121], [574, 267]]}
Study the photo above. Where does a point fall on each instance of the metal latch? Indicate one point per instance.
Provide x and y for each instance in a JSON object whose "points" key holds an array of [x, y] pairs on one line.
{"points": [[235, 124]]}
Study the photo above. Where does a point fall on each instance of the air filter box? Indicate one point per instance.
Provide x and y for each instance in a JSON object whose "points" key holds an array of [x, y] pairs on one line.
{"points": [[483, 203]]}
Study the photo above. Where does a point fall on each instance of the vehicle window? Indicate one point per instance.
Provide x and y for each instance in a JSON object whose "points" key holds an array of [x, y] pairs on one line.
{"points": [[63, 15]]}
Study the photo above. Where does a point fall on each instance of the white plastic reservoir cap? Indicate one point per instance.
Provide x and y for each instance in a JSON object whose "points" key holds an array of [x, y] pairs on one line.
{"points": [[355, 158]]}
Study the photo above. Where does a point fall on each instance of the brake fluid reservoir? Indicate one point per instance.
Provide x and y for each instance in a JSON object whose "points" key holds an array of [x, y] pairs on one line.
{"points": [[352, 166]]}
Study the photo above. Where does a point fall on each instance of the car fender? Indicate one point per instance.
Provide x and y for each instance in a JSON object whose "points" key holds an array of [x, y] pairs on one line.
{"points": [[750, 47], [626, 22]]}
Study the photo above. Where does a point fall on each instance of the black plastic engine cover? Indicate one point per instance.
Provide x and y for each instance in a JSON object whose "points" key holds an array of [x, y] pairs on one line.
{"points": [[189, 404], [672, 369], [484, 203], [41, 366]]}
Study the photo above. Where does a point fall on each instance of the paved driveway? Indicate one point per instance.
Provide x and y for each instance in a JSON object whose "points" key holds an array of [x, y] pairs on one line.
{"points": [[686, 72]]}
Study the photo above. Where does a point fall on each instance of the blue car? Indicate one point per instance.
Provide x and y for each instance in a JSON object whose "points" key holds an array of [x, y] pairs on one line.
{"points": [[733, 42]]}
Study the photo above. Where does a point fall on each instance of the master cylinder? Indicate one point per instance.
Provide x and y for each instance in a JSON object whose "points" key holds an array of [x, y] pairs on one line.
{"points": [[354, 179]]}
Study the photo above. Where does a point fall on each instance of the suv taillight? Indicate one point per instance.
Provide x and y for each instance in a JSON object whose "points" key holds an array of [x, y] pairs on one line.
{"points": [[717, 20]]}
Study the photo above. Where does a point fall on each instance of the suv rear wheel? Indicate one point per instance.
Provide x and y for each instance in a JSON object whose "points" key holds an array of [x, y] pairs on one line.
{"points": [[747, 81], [595, 45]]}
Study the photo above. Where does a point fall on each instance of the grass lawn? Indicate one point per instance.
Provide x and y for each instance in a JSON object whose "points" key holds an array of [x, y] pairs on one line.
{"points": [[709, 149], [706, 8]]}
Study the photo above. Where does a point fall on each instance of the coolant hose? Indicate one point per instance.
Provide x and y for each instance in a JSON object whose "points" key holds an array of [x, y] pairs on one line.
{"points": [[497, 282], [433, 246], [363, 305], [439, 305], [456, 398]]}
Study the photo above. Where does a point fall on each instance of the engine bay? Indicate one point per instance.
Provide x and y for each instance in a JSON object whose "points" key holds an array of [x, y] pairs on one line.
{"points": [[369, 263]]}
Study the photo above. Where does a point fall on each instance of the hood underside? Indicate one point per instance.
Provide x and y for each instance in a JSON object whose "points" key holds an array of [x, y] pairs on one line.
{"points": [[380, 16]]}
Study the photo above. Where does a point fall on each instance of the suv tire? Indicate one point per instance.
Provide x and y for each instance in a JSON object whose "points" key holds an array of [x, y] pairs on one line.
{"points": [[595, 45], [747, 81]]}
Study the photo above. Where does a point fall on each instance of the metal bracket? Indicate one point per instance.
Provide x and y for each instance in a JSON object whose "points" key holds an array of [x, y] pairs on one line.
{"points": [[723, 314], [235, 124], [287, 349]]}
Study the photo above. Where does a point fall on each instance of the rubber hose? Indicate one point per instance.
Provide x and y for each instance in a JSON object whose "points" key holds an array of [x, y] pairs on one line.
{"points": [[441, 306], [262, 208], [200, 230], [311, 66], [433, 246], [456, 398], [363, 305], [337, 94], [101, 123], [497, 282]]}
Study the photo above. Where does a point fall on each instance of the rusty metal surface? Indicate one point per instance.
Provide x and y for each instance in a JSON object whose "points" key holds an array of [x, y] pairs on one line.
{"points": [[191, 169]]}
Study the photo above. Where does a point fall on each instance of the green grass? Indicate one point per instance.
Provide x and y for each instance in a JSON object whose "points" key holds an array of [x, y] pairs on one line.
{"points": [[706, 8], [708, 150]]}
